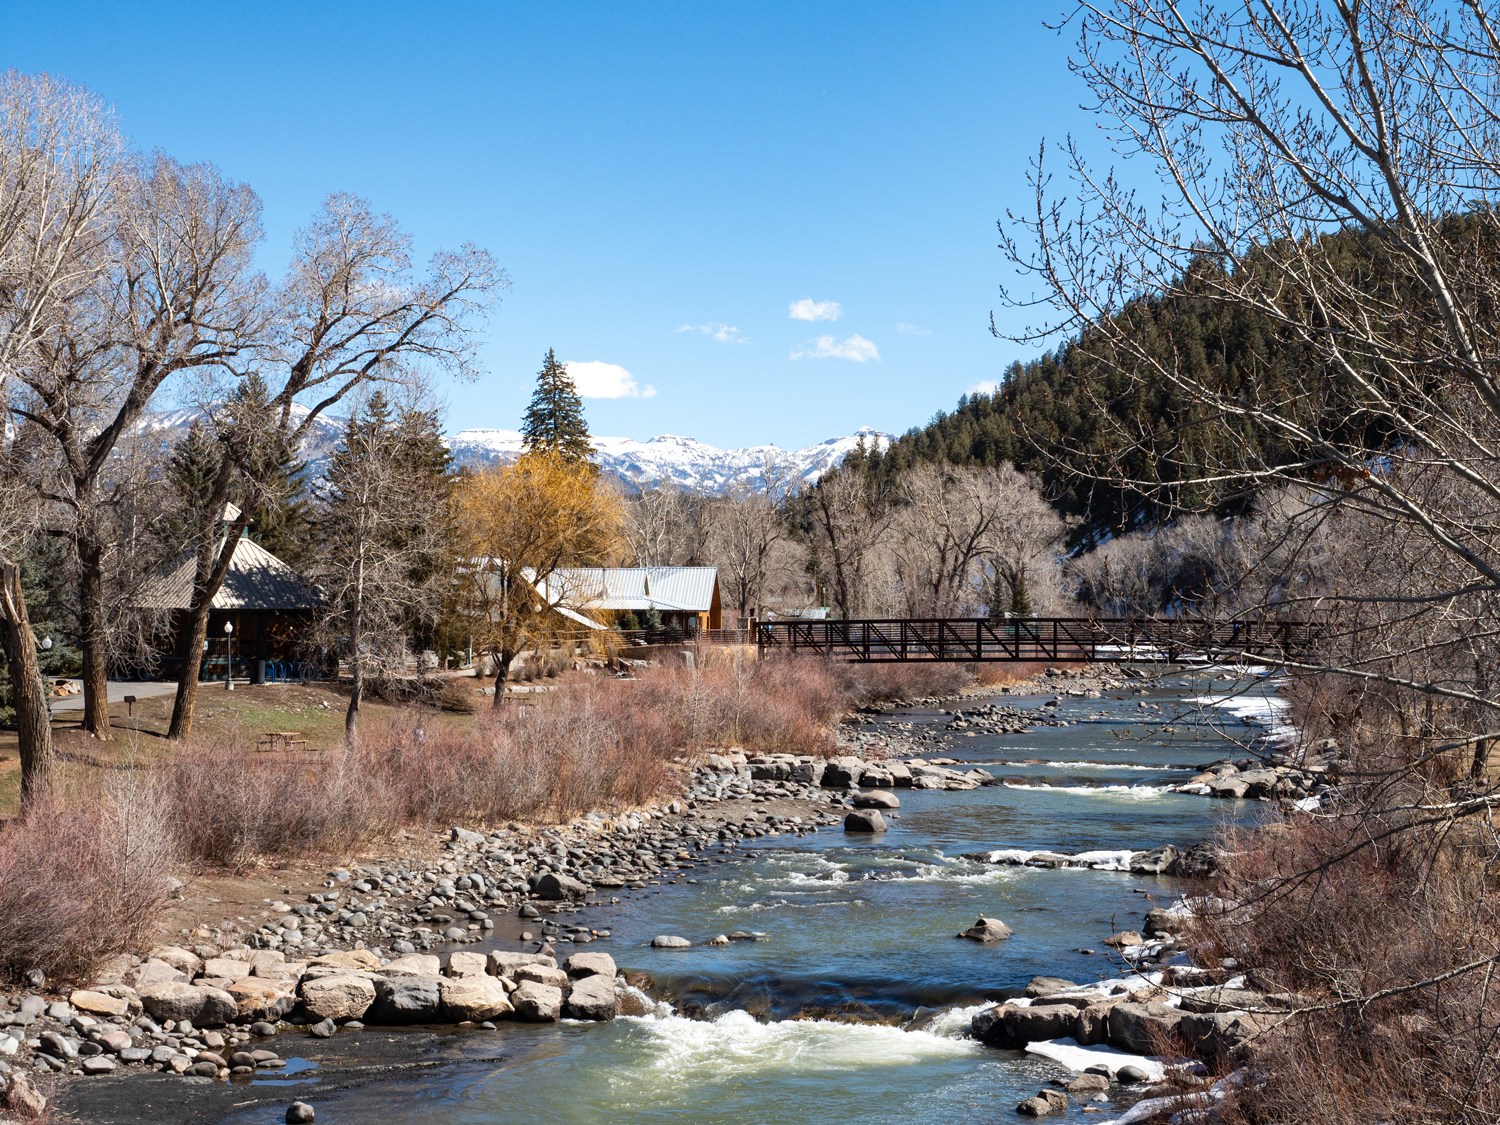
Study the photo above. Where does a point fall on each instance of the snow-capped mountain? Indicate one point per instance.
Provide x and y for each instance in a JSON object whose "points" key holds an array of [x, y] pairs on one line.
{"points": [[685, 462], [689, 464]]}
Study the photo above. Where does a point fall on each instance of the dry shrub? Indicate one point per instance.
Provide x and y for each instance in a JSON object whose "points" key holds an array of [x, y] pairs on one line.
{"points": [[1326, 912], [1000, 673], [81, 882], [868, 684]]}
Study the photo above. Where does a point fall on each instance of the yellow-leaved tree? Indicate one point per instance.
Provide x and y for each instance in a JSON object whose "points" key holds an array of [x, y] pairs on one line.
{"points": [[521, 527]]}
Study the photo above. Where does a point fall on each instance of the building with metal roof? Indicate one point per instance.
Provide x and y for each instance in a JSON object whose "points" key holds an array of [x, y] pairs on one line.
{"points": [[685, 598]]}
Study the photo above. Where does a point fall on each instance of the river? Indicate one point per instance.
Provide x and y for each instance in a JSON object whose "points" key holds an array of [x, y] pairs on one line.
{"points": [[853, 1006]]}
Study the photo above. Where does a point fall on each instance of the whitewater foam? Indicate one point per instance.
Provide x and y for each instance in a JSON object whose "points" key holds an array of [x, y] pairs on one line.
{"points": [[1137, 792]]}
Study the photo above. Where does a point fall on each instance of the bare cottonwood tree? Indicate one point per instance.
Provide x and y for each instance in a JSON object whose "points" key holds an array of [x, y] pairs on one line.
{"points": [[946, 516], [748, 537], [662, 526], [350, 313], [58, 147], [1333, 169], [172, 289], [848, 527]]}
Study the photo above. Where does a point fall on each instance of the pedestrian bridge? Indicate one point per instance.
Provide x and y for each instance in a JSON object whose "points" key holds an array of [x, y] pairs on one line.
{"points": [[1078, 640]]}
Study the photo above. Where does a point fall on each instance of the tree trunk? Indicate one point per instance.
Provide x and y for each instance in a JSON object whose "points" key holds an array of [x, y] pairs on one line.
{"points": [[503, 660], [356, 665], [33, 720], [94, 641], [213, 566]]}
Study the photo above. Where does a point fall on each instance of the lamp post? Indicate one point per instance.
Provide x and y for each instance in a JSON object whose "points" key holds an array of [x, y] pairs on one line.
{"points": [[229, 656], [46, 646]]}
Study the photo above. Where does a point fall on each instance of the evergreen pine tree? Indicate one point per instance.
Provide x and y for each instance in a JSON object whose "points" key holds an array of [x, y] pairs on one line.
{"points": [[554, 421]]}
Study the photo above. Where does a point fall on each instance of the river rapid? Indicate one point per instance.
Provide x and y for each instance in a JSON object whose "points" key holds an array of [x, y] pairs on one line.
{"points": [[855, 1004]]}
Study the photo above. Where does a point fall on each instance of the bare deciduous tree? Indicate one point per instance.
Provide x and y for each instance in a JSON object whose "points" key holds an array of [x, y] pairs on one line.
{"points": [[349, 314]]}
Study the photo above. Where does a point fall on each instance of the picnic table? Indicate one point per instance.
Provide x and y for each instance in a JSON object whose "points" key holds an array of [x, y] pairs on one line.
{"points": [[281, 740]]}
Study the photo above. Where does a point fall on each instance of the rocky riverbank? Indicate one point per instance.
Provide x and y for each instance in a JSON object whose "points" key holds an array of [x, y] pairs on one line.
{"points": [[485, 931]]}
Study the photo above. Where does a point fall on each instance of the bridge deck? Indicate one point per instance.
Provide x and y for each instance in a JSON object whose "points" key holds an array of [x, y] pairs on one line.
{"points": [[1053, 639]]}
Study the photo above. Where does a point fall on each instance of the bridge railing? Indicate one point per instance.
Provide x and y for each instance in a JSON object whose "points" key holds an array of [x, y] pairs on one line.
{"points": [[1058, 639]]}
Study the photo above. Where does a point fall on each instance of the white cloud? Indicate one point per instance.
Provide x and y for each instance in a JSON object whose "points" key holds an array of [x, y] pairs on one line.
{"points": [[912, 329], [854, 348], [808, 309], [595, 379], [723, 333], [985, 387]]}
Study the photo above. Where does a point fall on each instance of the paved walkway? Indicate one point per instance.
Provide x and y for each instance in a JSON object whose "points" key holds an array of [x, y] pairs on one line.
{"points": [[118, 690]]}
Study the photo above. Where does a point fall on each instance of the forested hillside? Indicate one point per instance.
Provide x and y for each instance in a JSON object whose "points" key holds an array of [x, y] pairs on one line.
{"points": [[1114, 450]]}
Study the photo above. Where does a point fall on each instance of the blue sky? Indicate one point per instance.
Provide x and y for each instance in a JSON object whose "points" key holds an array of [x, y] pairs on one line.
{"points": [[662, 182]]}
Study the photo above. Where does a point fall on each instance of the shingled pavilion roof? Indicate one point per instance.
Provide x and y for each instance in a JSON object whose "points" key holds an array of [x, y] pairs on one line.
{"points": [[257, 580]]}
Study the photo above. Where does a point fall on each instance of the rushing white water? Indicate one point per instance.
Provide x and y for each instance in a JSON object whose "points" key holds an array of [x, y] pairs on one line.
{"points": [[1134, 792]]}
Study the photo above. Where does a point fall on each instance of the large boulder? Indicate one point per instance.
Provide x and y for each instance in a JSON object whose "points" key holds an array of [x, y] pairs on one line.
{"points": [[592, 998], [338, 996], [1142, 1028], [542, 974], [1038, 987], [555, 887], [154, 970], [474, 998], [202, 1006], [98, 1003], [413, 965], [876, 799], [406, 998], [537, 1003], [582, 965], [183, 960], [502, 962], [225, 969], [864, 820], [987, 930], [356, 959], [260, 998], [1157, 861], [1010, 1026], [467, 965], [1216, 1036], [842, 773]]}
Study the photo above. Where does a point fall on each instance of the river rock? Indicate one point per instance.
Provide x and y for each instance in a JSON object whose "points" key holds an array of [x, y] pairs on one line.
{"points": [[225, 969], [98, 1003], [467, 965], [670, 941], [556, 888], [842, 773], [346, 959], [987, 930], [154, 970], [258, 998], [592, 998], [1012, 1027], [1038, 987], [502, 962], [413, 964], [406, 998], [1087, 1084], [864, 820], [203, 1007], [339, 996], [474, 998], [183, 960], [300, 1113], [876, 799], [1124, 939], [542, 974], [1142, 1028], [537, 1003], [1157, 861], [582, 965]]}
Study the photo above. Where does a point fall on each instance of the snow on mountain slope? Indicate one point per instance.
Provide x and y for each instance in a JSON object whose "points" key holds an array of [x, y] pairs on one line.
{"points": [[667, 459], [685, 462]]}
